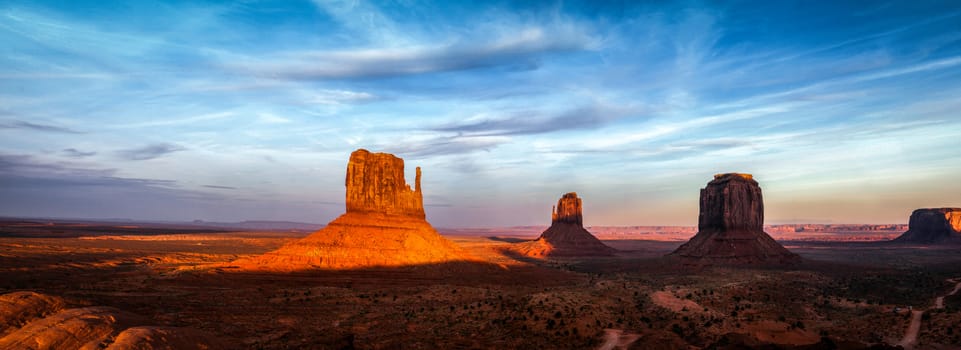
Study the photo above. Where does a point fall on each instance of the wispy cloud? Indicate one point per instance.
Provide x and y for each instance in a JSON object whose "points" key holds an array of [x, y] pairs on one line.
{"points": [[149, 152], [220, 187], [522, 48], [207, 117], [25, 169], [19, 124], [533, 122], [74, 153], [447, 145]]}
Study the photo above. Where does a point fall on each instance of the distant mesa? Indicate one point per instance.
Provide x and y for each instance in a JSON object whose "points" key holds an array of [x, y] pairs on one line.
{"points": [[730, 226], [384, 225], [566, 237], [933, 225]]}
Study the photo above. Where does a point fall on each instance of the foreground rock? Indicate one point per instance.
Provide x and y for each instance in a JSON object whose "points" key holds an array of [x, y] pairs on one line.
{"points": [[936, 225], [384, 226], [730, 226], [566, 237], [36, 321], [19, 308]]}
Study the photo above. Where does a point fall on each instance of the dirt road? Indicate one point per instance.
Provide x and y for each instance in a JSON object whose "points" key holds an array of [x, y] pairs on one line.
{"points": [[616, 338], [911, 335]]}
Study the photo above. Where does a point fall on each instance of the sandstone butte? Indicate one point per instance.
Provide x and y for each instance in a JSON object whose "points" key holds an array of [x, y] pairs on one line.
{"points": [[730, 227], [384, 226], [566, 237], [933, 225], [31, 320]]}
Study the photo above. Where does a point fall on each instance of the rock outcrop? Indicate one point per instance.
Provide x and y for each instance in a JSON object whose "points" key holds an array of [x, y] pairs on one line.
{"points": [[934, 225], [384, 226], [375, 184], [730, 226], [568, 210], [566, 237], [18, 308], [31, 320]]}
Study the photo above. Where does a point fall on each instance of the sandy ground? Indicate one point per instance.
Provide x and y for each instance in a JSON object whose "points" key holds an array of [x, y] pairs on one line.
{"points": [[617, 339]]}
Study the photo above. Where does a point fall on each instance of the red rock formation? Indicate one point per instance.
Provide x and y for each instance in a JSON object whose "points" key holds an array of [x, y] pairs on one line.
{"points": [[18, 308], [566, 236], [568, 210], [934, 225], [730, 226], [384, 226], [30, 320], [375, 184]]}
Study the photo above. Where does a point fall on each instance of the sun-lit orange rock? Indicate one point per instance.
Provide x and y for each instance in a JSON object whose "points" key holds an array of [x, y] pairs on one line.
{"points": [[730, 226], [384, 226], [566, 237], [375, 184], [933, 225], [18, 308], [30, 320]]}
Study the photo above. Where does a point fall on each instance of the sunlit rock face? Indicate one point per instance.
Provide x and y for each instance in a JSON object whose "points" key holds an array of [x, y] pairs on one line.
{"points": [[384, 226], [933, 225], [568, 210], [730, 226], [375, 184], [30, 320], [566, 236]]}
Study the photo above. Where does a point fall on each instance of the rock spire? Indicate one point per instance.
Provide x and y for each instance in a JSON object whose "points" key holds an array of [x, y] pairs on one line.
{"points": [[566, 237]]}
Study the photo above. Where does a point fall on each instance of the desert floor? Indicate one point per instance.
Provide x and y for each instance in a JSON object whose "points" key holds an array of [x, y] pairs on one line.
{"points": [[847, 292]]}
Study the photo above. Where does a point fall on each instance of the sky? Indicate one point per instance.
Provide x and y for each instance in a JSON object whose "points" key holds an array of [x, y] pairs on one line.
{"points": [[845, 112]]}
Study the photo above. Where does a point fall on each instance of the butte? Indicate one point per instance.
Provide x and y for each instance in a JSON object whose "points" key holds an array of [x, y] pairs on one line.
{"points": [[384, 226], [730, 227], [936, 225], [566, 237]]}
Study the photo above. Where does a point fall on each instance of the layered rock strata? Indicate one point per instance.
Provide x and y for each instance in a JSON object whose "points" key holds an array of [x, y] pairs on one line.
{"points": [[31, 320]]}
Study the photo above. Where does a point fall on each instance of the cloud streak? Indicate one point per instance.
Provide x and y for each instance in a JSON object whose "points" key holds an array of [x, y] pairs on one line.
{"points": [[148, 152], [447, 145], [519, 50], [532, 122], [74, 153], [22, 125]]}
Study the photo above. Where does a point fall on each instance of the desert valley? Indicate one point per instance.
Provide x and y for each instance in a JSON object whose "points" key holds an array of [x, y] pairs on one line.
{"points": [[501, 174], [381, 277]]}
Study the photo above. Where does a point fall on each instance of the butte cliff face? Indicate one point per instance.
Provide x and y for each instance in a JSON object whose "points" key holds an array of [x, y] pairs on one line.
{"points": [[384, 225], [568, 210], [566, 237], [933, 225], [730, 226], [375, 184]]}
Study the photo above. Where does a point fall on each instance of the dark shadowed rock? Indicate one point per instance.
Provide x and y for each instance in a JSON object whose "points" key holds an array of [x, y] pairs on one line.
{"points": [[566, 236], [384, 226], [933, 225], [730, 226]]}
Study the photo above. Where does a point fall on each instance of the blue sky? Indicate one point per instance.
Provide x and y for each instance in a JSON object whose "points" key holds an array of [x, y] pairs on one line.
{"points": [[846, 112]]}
